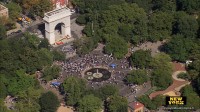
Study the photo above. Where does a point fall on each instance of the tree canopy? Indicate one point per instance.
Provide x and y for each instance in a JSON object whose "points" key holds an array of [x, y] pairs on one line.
{"points": [[89, 103], [190, 6], [164, 5], [20, 59], [141, 59], [185, 25], [153, 104], [49, 102], [2, 32], [84, 45], [117, 46], [192, 97], [108, 90], [117, 104], [14, 10], [180, 48], [40, 7], [145, 4], [137, 77], [51, 72], [160, 26], [162, 71], [74, 89]]}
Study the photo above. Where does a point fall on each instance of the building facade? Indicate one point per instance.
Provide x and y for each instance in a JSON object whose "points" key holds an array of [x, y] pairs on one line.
{"points": [[59, 3], [60, 15], [3, 11]]}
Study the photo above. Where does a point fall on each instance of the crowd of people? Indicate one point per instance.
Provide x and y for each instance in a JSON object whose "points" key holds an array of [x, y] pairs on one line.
{"points": [[77, 65], [68, 50]]}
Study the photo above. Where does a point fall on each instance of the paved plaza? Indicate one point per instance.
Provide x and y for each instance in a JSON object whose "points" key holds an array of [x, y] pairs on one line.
{"points": [[75, 65]]}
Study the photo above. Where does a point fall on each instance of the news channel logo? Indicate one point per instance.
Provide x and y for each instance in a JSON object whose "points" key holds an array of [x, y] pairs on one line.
{"points": [[176, 100]]}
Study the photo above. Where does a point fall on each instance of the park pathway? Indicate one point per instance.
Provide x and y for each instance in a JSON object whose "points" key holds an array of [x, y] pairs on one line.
{"points": [[177, 83]]}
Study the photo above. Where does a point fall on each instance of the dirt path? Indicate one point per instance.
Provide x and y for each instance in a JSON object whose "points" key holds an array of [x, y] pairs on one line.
{"points": [[175, 74], [177, 82], [65, 109], [154, 47]]}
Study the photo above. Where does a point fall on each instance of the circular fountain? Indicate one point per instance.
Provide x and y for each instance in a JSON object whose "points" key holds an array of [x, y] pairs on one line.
{"points": [[97, 74]]}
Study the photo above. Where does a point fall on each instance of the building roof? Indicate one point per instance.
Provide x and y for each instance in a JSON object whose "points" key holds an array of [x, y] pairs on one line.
{"points": [[62, 2], [135, 105]]}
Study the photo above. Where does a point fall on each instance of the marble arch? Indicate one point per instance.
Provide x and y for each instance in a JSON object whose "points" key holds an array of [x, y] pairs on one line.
{"points": [[52, 18]]}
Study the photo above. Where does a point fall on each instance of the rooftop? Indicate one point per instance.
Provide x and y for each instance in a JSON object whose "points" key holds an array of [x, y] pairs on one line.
{"points": [[135, 105], [56, 11], [57, 14]]}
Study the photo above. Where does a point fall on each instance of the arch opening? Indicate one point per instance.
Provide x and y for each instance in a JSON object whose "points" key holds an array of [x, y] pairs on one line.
{"points": [[59, 31]]}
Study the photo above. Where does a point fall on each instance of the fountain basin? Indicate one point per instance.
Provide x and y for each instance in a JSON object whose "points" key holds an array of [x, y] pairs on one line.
{"points": [[97, 74]]}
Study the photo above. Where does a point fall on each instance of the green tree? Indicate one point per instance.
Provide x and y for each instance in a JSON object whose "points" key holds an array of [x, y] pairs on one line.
{"points": [[179, 48], [2, 32], [118, 15], [194, 73], [28, 100], [108, 90], [52, 72], [74, 89], [84, 45], [162, 71], [117, 104], [185, 25], [30, 60], [198, 85], [141, 59], [81, 20], [7, 59], [26, 4], [193, 99], [160, 79], [117, 46], [190, 6], [58, 55], [89, 103], [137, 77], [22, 83], [159, 101], [144, 99], [45, 57], [3, 89], [31, 40], [44, 44], [40, 7], [49, 102], [184, 76], [164, 5], [145, 4], [126, 32], [4, 45], [2, 107], [160, 26], [14, 10], [89, 6]]}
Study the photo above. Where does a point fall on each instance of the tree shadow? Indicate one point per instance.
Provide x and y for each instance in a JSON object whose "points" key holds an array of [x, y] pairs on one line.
{"points": [[163, 48]]}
